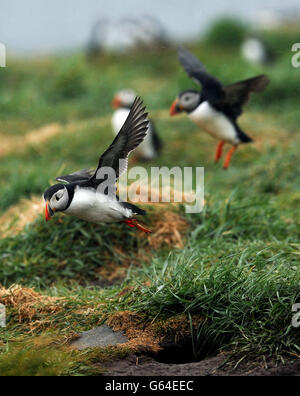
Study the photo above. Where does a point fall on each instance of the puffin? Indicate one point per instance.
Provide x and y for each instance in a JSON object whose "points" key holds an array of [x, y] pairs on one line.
{"points": [[151, 148], [257, 52], [217, 108], [92, 196]]}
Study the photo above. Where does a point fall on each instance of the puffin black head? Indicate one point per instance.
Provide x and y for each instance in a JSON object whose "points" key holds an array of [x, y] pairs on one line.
{"points": [[57, 200], [187, 101]]}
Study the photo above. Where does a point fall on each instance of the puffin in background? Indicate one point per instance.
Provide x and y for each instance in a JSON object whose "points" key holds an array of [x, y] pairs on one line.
{"points": [[151, 148], [91, 196], [217, 108], [256, 51]]}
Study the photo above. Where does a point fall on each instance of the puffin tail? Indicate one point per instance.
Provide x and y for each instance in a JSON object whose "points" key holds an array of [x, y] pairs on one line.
{"points": [[246, 139], [133, 223], [243, 136]]}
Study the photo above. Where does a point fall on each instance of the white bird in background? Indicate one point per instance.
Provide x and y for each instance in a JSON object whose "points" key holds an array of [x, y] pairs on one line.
{"points": [[257, 52]]}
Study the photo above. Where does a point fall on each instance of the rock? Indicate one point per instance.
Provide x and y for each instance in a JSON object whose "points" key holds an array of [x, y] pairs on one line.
{"points": [[100, 337]]}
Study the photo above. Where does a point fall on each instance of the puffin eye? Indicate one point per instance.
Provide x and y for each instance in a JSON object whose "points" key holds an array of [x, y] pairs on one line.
{"points": [[57, 197]]}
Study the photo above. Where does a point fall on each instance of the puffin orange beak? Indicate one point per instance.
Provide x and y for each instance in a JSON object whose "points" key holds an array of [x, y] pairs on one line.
{"points": [[175, 108], [49, 213], [116, 103]]}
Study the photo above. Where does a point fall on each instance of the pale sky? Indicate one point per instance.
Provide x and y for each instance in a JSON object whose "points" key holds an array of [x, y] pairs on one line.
{"points": [[50, 25]]}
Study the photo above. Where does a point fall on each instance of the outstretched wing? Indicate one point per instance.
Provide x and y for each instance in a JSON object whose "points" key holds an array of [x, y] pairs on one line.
{"points": [[77, 177], [237, 95], [129, 138], [212, 88]]}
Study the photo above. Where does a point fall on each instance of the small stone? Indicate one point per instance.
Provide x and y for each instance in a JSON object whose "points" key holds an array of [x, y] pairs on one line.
{"points": [[100, 337]]}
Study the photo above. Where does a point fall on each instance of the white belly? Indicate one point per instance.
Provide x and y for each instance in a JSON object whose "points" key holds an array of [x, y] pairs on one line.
{"points": [[215, 123], [146, 149], [93, 207]]}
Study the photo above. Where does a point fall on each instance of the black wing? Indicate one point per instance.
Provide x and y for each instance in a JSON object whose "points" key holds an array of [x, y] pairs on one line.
{"points": [[129, 138], [77, 177], [237, 95], [212, 88]]}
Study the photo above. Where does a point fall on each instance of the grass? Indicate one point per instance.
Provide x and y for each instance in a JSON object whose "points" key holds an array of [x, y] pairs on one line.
{"points": [[245, 308], [239, 268], [40, 359]]}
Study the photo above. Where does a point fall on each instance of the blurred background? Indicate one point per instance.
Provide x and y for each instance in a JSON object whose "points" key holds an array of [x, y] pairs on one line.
{"points": [[67, 60], [41, 26]]}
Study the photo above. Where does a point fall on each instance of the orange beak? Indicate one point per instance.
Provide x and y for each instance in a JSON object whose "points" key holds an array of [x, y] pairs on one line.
{"points": [[48, 212], [116, 103], [175, 108]]}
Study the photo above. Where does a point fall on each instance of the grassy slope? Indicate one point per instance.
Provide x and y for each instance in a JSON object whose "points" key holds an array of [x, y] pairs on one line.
{"points": [[240, 267]]}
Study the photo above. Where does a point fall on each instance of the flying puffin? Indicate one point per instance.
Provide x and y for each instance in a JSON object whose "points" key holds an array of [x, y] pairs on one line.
{"points": [[152, 145], [217, 108], [91, 196]]}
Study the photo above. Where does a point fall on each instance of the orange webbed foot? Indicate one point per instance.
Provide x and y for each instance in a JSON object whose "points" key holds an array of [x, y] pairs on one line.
{"points": [[133, 223], [219, 151], [229, 157]]}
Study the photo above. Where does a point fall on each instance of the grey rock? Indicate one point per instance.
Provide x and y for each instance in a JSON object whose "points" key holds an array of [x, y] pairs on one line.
{"points": [[100, 337]]}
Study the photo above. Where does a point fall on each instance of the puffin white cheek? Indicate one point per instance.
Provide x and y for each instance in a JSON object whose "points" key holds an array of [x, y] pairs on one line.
{"points": [[63, 202]]}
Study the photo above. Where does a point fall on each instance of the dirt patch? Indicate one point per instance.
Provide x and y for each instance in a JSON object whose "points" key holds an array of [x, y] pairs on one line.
{"points": [[19, 143], [17, 217], [140, 334], [147, 340], [29, 304], [150, 337], [170, 229], [145, 366], [112, 273]]}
